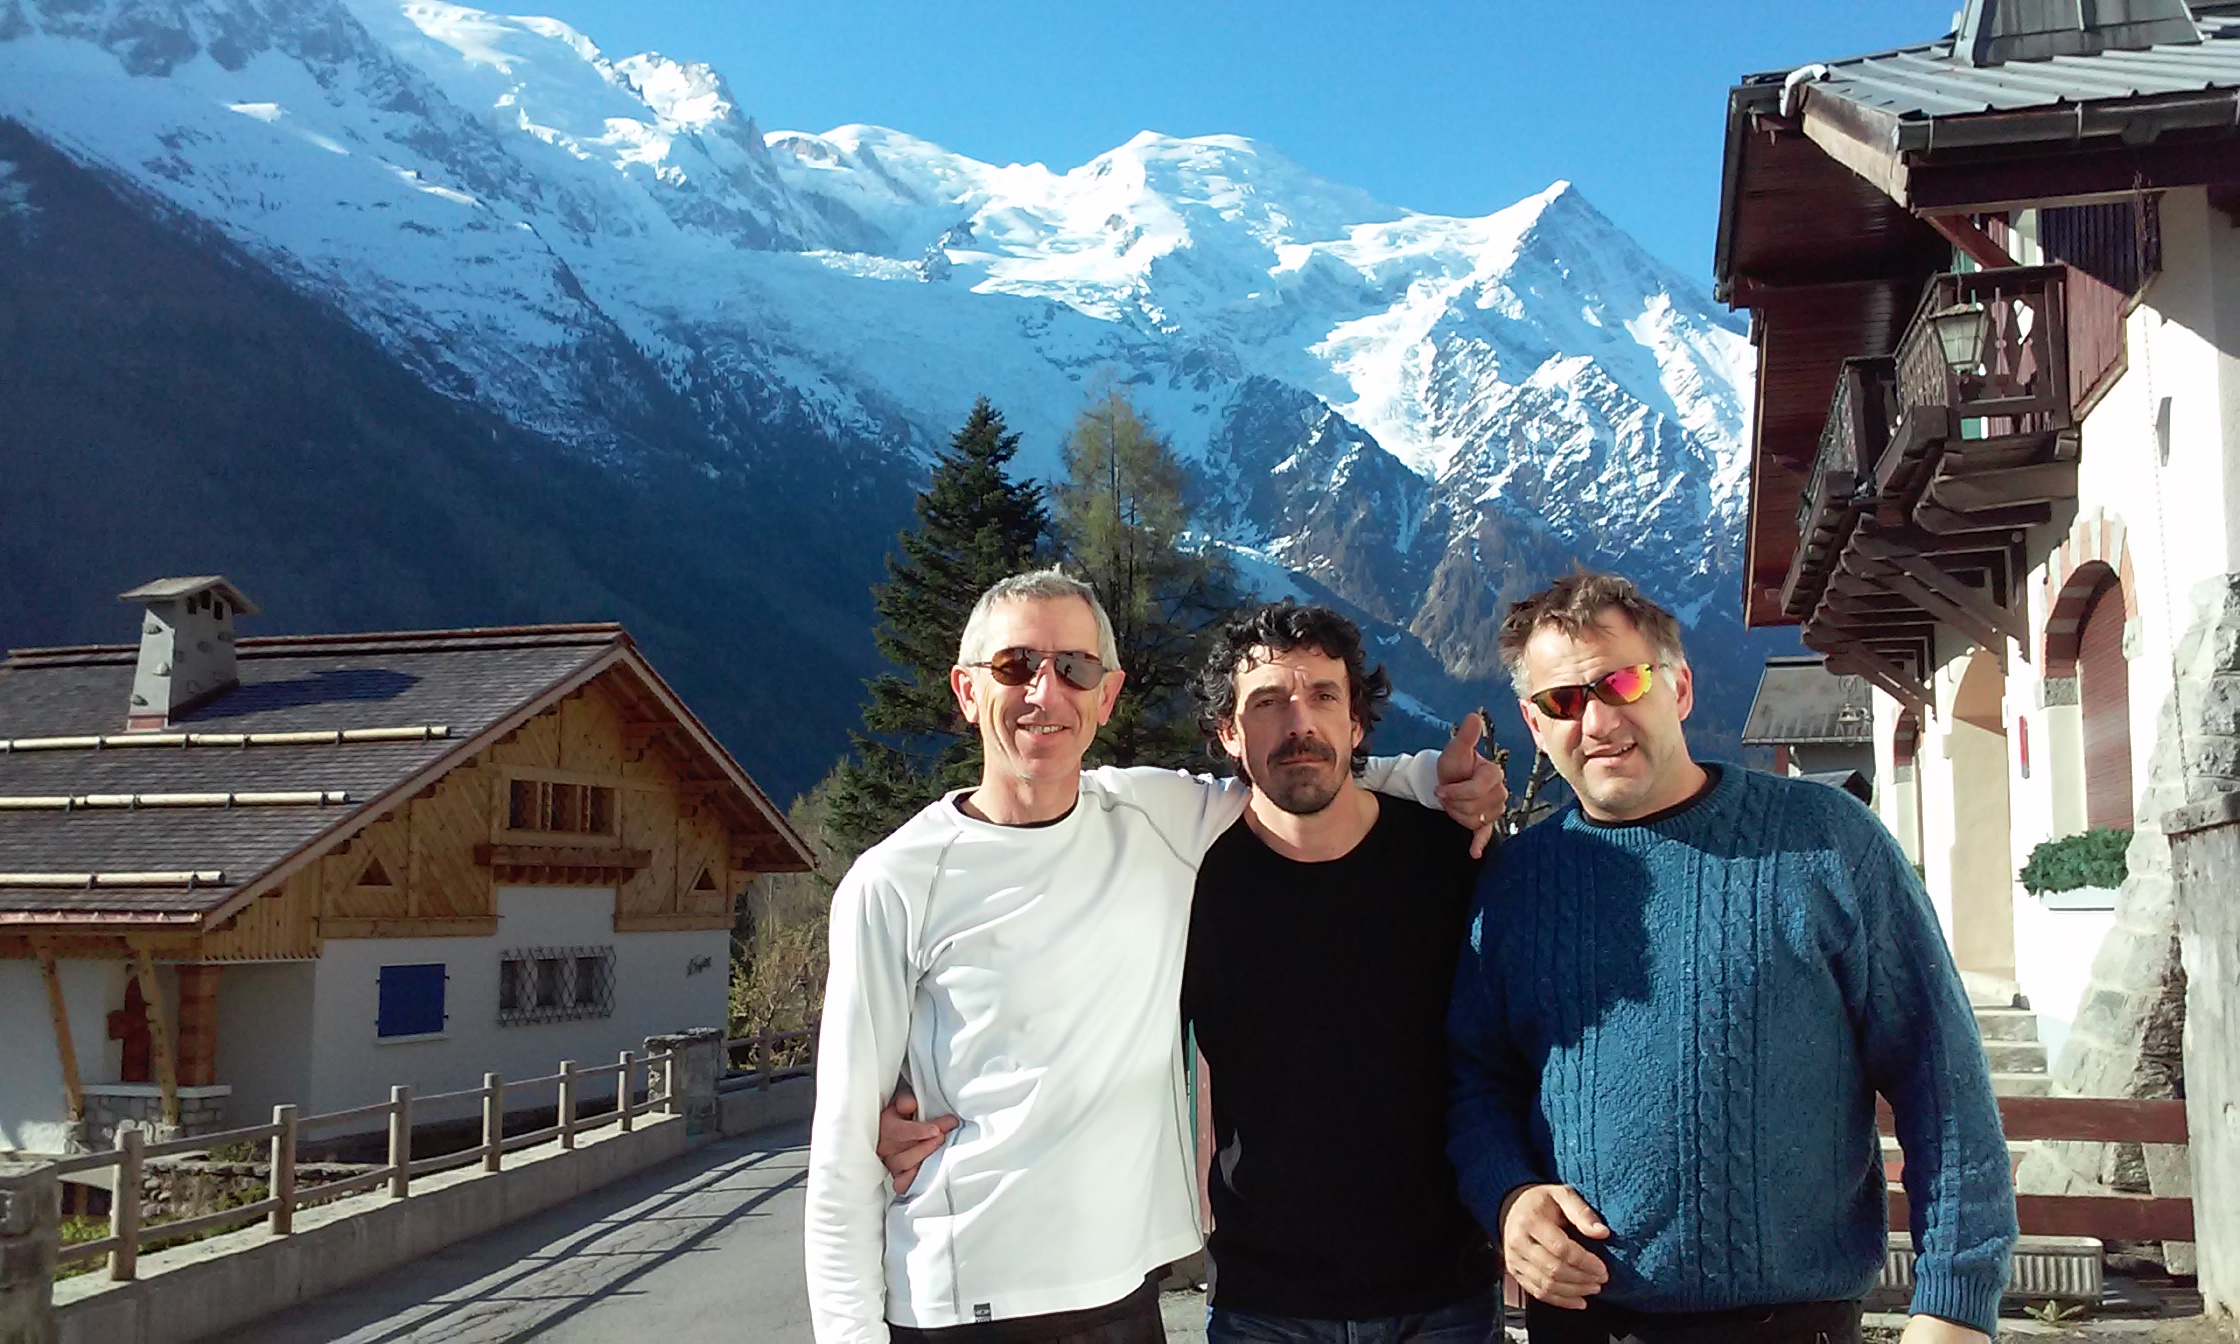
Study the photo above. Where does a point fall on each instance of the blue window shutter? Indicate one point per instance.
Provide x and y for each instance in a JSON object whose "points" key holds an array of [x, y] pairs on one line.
{"points": [[411, 1000]]}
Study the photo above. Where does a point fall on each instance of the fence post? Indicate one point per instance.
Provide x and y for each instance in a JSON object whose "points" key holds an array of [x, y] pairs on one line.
{"points": [[622, 1100], [124, 1206], [493, 1120], [30, 1238], [284, 1170], [400, 1141], [762, 1061], [567, 1103]]}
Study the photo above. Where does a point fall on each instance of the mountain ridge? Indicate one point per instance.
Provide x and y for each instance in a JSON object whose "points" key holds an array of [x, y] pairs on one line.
{"points": [[1420, 415]]}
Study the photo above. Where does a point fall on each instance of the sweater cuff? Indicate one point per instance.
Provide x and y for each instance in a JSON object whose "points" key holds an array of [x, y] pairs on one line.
{"points": [[1968, 1301]]}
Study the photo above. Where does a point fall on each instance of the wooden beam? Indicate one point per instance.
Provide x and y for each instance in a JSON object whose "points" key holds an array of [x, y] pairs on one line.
{"points": [[1974, 244], [66, 1048], [1954, 593], [1982, 632], [562, 856], [470, 926], [1982, 491], [2110, 172], [1860, 140], [159, 1032]]}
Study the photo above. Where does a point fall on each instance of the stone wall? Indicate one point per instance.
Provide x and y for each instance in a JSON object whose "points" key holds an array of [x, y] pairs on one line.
{"points": [[202, 1110], [2128, 1039], [693, 1075], [30, 1236]]}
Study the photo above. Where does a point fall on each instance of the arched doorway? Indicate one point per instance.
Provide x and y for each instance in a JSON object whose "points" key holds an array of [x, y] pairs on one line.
{"points": [[1982, 864], [2104, 693]]}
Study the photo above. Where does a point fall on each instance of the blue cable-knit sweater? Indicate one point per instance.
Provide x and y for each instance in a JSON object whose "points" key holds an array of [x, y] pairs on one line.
{"points": [[1688, 1020]]}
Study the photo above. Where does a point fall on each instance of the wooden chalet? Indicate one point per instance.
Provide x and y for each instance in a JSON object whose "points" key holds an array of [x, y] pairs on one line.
{"points": [[237, 872]]}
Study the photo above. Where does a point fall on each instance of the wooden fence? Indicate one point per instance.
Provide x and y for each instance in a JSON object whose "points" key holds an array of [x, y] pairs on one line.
{"points": [[764, 1050], [2089, 1120], [128, 1235]]}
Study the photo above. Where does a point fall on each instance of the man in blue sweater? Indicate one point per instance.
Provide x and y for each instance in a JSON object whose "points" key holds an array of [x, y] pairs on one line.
{"points": [[1678, 1000]]}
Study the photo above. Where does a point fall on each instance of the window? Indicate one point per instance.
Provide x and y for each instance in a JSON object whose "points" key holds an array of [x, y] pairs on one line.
{"points": [[555, 984], [558, 808], [411, 1001]]}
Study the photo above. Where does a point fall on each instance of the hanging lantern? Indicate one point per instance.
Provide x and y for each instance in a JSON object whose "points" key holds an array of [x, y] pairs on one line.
{"points": [[1961, 332]]}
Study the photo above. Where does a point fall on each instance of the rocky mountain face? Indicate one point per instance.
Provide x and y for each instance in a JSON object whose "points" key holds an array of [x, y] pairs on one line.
{"points": [[748, 343]]}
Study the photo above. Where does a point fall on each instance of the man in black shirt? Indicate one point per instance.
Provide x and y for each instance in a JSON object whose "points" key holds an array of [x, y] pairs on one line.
{"points": [[1322, 950]]}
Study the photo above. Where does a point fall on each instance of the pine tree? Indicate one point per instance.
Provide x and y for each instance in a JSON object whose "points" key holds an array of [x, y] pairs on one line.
{"points": [[1122, 518], [975, 526]]}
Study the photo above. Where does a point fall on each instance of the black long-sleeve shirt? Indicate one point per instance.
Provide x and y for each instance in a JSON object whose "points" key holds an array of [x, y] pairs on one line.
{"points": [[1318, 992]]}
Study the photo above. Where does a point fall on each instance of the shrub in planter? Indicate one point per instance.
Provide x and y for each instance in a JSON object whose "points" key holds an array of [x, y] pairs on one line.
{"points": [[2093, 859]]}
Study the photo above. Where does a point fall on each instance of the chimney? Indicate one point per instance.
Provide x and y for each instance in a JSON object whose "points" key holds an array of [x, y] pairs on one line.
{"points": [[1994, 32], [186, 646]]}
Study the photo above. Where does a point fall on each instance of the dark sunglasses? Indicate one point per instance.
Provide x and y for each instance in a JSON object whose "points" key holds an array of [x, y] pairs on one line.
{"points": [[1017, 667], [1619, 686]]}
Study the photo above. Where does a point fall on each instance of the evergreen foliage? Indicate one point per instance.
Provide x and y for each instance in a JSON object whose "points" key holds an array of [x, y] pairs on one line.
{"points": [[1122, 520], [975, 526], [2092, 859]]}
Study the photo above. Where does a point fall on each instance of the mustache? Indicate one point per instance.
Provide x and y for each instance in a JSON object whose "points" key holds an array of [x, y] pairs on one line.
{"points": [[1305, 749]]}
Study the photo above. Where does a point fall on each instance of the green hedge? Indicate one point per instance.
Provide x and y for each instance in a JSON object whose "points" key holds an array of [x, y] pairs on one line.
{"points": [[2093, 859]]}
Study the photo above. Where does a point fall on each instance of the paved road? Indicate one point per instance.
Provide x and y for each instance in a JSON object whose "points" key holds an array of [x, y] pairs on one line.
{"points": [[705, 1247]]}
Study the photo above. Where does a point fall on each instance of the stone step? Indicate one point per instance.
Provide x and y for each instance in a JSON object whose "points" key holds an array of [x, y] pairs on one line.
{"points": [[2007, 1024], [2015, 1056], [1990, 991], [2021, 1084]]}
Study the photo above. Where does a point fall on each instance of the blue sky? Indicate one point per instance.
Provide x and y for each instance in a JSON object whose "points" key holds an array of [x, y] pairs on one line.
{"points": [[1455, 108]]}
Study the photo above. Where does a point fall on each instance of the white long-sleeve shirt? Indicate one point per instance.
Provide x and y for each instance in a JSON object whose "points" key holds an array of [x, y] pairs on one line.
{"points": [[1027, 980]]}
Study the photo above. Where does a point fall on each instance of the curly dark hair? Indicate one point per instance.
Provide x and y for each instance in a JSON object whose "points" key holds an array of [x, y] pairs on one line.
{"points": [[1280, 627]]}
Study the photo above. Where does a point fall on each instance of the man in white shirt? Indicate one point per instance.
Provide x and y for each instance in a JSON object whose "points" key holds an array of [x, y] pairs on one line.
{"points": [[1016, 952]]}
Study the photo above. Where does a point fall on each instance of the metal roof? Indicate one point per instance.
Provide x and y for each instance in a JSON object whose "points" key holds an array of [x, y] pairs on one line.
{"points": [[1930, 81], [1801, 703]]}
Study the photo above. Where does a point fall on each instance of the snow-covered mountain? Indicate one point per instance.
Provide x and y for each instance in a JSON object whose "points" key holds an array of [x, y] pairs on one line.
{"points": [[1420, 414]]}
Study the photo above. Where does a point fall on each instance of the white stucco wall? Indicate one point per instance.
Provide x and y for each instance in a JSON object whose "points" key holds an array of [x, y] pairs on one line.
{"points": [[264, 1042], [654, 991], [33, 1113]]}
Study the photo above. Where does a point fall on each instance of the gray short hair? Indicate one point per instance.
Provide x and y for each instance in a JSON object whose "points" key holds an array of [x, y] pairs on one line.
{"points": [[1036, 585]]}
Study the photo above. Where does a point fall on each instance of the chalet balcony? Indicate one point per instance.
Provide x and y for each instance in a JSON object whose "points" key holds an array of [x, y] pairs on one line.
{"points": [[1923, 525], [1851, 443]]}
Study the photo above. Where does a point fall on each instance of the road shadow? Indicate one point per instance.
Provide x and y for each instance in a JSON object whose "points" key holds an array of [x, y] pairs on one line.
{"points": [[530, 1276]]}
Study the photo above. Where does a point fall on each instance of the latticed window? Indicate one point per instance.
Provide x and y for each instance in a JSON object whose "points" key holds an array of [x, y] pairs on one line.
{"points": [[558, 808], [555, 984]]}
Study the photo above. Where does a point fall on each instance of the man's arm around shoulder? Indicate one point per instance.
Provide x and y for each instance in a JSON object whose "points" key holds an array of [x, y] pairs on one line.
{"points": [[860, 1053]]}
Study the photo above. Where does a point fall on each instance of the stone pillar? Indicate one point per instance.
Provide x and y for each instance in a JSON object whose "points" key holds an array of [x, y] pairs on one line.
{"points": [[30, 1237], [693, 1073], [2205, 860]]}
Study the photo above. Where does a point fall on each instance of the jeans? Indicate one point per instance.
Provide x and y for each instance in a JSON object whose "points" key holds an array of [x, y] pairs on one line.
{"points": [[1603, 1323], [1470, 1322]]}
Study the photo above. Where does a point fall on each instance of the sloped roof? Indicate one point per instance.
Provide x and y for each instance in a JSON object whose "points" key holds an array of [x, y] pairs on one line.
{"points": [[461, 688], [1921, 83], [1801, 703]]}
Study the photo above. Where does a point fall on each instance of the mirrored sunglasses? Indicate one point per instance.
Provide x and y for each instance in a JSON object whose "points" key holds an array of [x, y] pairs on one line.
{"points": [[1017, 667], [1619, 686]]}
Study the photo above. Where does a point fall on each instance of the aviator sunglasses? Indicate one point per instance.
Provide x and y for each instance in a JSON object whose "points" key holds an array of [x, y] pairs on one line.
{"points": [[1619, 686], [1016, 667]]}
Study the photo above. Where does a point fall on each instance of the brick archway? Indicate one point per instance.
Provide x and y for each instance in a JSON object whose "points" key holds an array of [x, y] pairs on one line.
{"points": [[2094, 551]]}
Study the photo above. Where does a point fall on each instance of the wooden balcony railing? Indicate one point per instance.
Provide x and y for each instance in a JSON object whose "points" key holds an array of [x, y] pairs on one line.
{"points": [[1851, 442], [2020, 388]]}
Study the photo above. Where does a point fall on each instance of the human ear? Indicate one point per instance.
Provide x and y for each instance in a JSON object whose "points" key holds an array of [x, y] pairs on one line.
{"points": [[968, 700]]}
